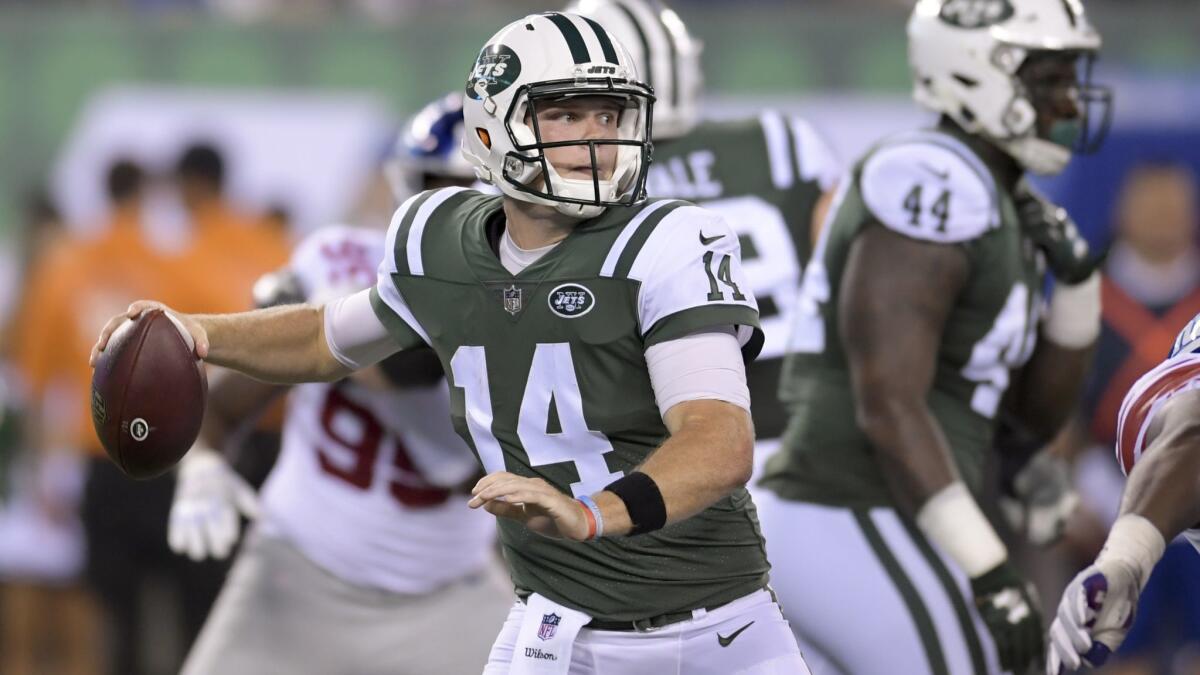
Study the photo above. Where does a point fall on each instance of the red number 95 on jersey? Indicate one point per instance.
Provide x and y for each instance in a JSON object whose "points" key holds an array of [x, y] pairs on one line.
{"points": [[148, 395]]}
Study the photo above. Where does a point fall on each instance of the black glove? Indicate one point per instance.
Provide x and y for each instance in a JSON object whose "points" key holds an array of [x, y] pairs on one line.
{"points": [[1009, 607], [1037, 496], [1055, 233], [281, 287]]}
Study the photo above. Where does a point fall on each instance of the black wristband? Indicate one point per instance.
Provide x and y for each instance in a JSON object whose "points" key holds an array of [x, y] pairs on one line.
{"points": [[643, 500]]}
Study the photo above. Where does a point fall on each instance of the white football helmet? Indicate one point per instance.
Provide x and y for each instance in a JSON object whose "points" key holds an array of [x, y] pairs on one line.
{"points": [[667, 56], [547, 57], [965, 54]]}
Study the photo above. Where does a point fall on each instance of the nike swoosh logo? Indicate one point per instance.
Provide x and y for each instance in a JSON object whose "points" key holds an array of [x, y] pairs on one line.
{"points": [[705, 241], [726, 641], [944, 174]]}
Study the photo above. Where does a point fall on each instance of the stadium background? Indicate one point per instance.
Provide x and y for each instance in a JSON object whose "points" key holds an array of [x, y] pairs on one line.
{"points": [[306, 96]]}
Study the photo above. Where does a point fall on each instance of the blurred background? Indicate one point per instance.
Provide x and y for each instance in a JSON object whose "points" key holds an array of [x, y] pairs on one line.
{"points": [[209, 134]]}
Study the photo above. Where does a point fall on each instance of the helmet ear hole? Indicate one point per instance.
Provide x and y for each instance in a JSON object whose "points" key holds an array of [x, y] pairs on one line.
{"points": [[484, 137], [1020, 117], [968, 82]]}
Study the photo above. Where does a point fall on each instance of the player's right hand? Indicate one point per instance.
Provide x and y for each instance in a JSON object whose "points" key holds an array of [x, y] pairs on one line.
{"points": [[1008, 606], [1094, 615], [192, 332], [209, 496], [532, 501], [1042, 500]]}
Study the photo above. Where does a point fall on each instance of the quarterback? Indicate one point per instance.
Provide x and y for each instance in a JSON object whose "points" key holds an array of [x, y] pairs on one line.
{"points": [[593, 343], [920, 307], [1158, 447], [770, 177]]}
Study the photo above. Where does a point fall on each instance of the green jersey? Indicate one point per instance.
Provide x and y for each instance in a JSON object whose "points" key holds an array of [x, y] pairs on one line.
{"points": [[548, 379], [930, 186], [765, 176]]}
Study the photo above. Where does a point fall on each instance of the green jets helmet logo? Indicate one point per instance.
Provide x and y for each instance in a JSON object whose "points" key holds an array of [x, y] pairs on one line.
{"points": [[571, 300], [494, 71], [975, 13]]}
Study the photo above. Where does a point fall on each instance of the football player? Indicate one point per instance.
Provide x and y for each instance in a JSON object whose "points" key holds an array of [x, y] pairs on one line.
{"points": [[769, 176], [363, 557], [922, 302], [593, 342], [1158, 447]]}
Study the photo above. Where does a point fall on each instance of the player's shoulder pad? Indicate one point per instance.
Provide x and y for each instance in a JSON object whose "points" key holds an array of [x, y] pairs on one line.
{"points": [[666, 234], [930, 186], [681, 235], [1142, 401], [634, 226], [407, 228]]}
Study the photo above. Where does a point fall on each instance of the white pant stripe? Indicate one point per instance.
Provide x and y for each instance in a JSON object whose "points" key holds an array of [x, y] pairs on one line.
{"points": [[941, 610]]}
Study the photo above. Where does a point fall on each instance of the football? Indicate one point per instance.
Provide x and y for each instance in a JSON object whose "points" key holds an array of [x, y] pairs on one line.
{"points": [[148, 395]]}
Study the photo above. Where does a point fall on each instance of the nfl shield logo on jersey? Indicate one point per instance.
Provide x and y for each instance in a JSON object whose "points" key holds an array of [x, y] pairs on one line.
{"points": [[512, 300], [549, 626]]}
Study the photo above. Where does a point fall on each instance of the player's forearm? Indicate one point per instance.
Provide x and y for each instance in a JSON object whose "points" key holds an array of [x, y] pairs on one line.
{"points": [[912, 452], [709, 455], [235, 403], [1049, 388], [915, 461], [284, 345]]}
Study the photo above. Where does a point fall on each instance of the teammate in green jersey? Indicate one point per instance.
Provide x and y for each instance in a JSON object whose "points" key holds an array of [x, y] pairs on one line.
{"points": [[594, 345], [921, 304], [769, 176]]}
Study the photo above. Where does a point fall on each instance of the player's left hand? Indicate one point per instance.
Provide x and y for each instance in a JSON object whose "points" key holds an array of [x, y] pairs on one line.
{"points": [[209, 499], [1008, 605], [1093, 618], [1055, 233], [1042, 499], [533, 501]]}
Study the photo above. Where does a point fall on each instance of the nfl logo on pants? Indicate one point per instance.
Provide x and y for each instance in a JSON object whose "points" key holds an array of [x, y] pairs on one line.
{"points": [[549, 626]]}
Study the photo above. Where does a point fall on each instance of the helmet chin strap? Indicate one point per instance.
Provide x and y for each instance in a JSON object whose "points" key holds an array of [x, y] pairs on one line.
{"points": [[580, 211], [576, 189], [1045, 158]]}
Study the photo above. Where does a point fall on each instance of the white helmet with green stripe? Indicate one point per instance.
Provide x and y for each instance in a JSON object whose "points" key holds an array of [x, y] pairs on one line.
{"points": [[967, 56], [667, 56], [548, 57]]}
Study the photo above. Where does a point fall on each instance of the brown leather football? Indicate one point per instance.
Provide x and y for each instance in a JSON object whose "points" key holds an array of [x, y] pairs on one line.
{"points": [[148, 395]]}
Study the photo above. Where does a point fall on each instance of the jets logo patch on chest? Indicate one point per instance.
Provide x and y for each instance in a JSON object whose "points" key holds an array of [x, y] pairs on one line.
{"points": [[571, 300]]}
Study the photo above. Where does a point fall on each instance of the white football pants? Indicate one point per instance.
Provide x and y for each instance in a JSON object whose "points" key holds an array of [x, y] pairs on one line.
{"points": [[868, 595], [698, 646], [281, 614]]}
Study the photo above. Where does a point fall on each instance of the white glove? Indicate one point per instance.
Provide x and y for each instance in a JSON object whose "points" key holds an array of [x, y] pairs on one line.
{"points": [[1044, 500], [1094, 615], [1098, 605], [209, 496]]}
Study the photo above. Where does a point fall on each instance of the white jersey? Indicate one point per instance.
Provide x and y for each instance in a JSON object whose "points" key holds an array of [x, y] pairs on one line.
{"points": [[1145, 398], [363, 482]]}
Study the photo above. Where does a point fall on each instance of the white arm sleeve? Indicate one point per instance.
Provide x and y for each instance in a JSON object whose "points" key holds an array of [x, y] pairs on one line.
{"points": [[355, 335], [706, 365]]}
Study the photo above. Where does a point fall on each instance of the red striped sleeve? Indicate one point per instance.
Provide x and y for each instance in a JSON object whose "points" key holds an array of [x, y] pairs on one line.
{"points": [[1147, 394]]}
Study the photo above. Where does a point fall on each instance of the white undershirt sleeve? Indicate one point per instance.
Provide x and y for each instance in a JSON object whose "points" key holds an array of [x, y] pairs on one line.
{"points": [[355, 335], [706, 365]]}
